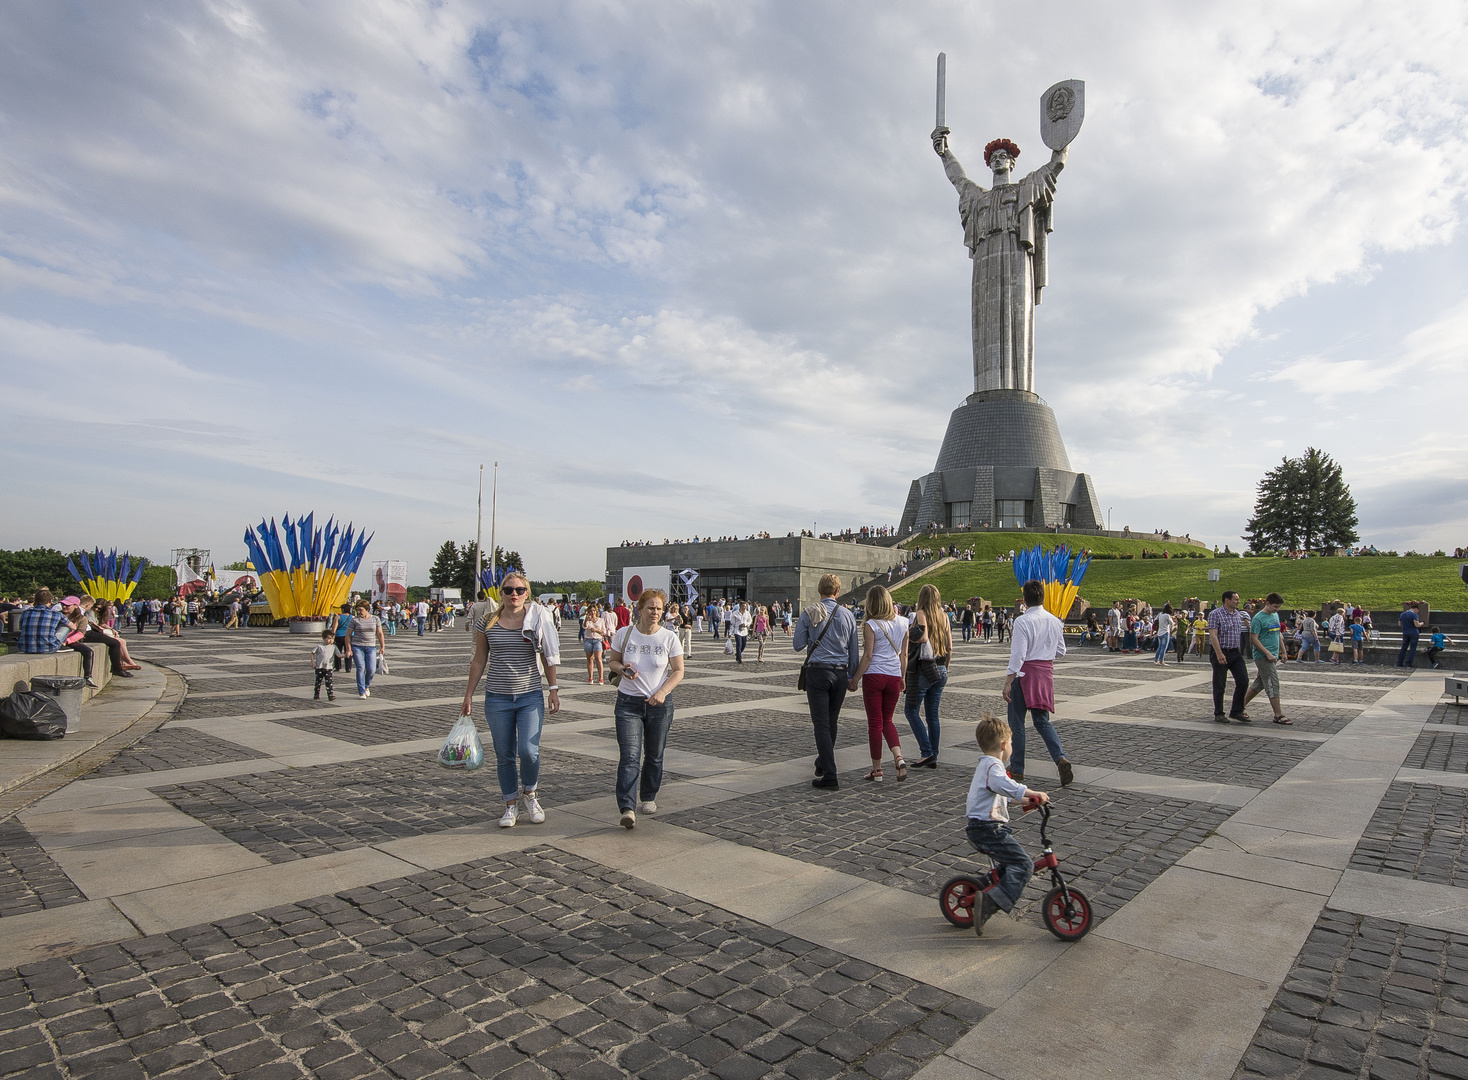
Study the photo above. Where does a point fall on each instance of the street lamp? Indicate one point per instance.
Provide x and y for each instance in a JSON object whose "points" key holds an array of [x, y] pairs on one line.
{"points": [[1108, 519]]}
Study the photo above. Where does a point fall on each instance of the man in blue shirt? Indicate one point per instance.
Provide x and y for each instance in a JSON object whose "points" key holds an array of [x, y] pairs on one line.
{"points": [[1411, 629], [41, 631], [828, 630]]}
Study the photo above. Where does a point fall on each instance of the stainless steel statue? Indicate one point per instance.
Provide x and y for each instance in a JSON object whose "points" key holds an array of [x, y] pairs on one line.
{"points": [[1006, 228]]}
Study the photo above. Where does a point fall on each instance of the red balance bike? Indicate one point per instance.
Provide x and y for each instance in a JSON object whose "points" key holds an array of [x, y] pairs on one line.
{"points": [[1066, 912]]}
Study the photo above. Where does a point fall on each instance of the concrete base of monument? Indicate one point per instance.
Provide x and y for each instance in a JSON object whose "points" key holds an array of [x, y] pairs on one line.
{"points": [[1002, 461]]}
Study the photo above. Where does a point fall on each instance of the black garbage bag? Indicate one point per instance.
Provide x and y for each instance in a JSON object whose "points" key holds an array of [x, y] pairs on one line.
{"points": [[28, 715]]}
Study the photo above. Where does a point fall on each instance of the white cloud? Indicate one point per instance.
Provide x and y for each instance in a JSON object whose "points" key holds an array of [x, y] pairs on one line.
{"points": [[725, 216]]}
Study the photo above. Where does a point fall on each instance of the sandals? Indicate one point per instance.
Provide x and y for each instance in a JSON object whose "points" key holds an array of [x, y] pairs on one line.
{"points": [[901, 769], [875, 775], [1283, 720]]}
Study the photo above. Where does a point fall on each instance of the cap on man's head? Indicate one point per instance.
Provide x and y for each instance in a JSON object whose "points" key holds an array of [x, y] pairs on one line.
{"points": [[70, 601]]}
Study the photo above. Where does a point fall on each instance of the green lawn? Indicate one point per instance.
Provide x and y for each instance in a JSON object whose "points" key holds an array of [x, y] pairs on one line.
{"points": [[986, 545], [1380, 582]]}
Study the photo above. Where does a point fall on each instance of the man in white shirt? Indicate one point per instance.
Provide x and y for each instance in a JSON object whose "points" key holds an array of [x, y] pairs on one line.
{"points": [[420, 615], [1037, 640]]}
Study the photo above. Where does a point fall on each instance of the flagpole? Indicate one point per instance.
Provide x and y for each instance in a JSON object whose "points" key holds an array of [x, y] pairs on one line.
{"points": [[479, 536], [494, 505]]}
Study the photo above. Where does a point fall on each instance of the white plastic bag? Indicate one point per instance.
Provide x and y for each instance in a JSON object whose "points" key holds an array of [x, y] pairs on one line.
{"points": [[462, 749], [729, 646]]}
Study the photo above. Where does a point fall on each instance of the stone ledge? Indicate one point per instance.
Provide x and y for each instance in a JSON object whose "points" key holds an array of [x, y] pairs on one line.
{"points": [[17, 668]]}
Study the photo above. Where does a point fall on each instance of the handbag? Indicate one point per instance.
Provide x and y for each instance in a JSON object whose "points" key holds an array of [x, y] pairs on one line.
{"points": [[1336, 647], [800, 680], [614, 677]]}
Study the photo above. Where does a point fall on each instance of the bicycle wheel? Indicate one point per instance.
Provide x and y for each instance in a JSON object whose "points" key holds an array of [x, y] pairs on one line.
{"points": [[1067, 914], [957, 899]]}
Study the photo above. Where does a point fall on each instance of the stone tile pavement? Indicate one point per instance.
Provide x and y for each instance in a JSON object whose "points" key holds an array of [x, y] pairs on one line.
{"points": [[273, 886]]}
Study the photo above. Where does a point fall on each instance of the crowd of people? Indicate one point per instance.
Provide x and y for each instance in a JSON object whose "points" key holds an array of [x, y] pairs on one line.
{"points": [[854, 536]]}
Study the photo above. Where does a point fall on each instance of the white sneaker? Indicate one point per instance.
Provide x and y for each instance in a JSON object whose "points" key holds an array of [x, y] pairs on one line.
{"points": [[629, 819], [361, 697], [367, 693], [533, 808], [650, 807], [512, 811]]}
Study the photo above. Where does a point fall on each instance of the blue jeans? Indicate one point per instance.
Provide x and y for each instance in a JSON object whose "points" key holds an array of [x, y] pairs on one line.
{"points": [[1016, 868], [740, 640], [968, 630], [927, 698], [364, 658], [515, 722], [1407, 654], [1041, 718], [1164, 642], [642, 733], [420, 620]]}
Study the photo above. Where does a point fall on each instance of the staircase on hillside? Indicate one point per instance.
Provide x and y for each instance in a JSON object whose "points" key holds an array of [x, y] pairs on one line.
{"points": [[915, 569]]}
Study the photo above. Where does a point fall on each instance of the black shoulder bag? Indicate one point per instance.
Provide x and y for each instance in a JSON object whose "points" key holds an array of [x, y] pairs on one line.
{"points": [[830, 618]]}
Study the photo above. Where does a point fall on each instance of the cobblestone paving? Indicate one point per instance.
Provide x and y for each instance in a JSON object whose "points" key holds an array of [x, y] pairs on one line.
{"points": [[1136, 671], [429, 671], [1085, 687], [690, 697], [1224, 758], [174, 747], [299, 813], [205, 685], [1312, 718], [1367, 998], [1111, 843], [1418, 831], [533, 964], [1446, 751], [1312, 689], [1448, 713], [194, 708], [760, 736], [374, 728], [29, 879], [415, 691]]}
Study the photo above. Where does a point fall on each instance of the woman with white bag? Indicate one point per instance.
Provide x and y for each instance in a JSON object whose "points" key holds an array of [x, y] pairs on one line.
{"points": [[509, 648]]}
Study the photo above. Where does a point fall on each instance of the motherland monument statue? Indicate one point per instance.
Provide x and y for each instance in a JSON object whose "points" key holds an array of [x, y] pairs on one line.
{"points": [[1003, 463]]}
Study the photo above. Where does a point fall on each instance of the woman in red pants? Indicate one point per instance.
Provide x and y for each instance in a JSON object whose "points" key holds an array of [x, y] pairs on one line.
{"points": [[881, 675]]}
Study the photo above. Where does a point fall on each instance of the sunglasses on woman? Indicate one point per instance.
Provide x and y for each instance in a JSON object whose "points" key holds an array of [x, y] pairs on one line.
{"points": [[514, 590]]}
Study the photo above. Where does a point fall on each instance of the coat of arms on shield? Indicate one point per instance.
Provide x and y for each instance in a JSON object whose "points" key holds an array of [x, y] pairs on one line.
{"points": [[1062, 108]]}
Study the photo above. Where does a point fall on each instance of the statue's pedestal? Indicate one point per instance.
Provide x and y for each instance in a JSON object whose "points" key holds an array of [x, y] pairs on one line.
{"points": [[1002, 464]]}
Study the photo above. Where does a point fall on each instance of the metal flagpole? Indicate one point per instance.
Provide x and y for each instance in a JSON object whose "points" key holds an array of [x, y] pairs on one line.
{"points": [[479, 536], [494, 503]]}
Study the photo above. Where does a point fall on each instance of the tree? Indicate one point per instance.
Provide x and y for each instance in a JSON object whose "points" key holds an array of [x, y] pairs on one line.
{"points": [[445, 566], [23, 572], [465, 576], [1303, 504], [240, 564]]}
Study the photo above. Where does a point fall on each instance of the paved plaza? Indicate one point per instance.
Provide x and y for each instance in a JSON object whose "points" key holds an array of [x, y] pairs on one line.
{"points": [[268, 886]]}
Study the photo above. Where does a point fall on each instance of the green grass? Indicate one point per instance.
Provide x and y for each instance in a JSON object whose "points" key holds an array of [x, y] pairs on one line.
{"points": [[986, 545], [1380, 582]]}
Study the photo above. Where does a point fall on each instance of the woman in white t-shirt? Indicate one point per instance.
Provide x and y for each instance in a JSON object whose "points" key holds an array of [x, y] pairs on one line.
{"points": [[649, 659], [740, 620], [882, 675]]}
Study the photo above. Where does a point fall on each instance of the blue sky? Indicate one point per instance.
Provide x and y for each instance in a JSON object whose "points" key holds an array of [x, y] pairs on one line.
{"points": [[695, 269]]}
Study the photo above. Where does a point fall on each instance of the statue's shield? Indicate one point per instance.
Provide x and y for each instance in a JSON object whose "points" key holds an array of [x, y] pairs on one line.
{"points": [[1062, 108]]}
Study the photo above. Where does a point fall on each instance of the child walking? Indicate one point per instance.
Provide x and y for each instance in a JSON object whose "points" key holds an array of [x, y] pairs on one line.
{"points": [[321, 657], [988, 820]]}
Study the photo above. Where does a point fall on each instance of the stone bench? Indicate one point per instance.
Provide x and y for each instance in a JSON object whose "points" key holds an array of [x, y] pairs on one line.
{"points": [[18, 668]]}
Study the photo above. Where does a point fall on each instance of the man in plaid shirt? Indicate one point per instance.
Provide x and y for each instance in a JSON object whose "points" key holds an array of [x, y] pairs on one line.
{"points": [[39, 625], [1227, 626]]}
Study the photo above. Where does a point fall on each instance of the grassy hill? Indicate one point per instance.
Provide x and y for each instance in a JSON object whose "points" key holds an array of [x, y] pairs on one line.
{"points": [[1380, 582], [986, 545]]}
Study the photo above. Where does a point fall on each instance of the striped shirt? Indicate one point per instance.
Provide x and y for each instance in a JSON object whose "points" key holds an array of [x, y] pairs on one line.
{"points": [[512, 668], [1228, 625]]}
